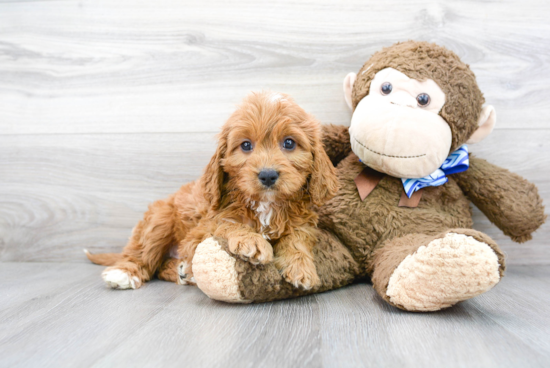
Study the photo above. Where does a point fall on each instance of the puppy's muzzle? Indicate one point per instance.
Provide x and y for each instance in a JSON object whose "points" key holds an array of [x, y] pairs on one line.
{"points": [[268, 177]]}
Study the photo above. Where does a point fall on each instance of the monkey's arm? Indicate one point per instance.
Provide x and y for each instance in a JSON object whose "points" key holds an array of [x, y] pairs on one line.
{"points": [[336, 142], [508, 200]]}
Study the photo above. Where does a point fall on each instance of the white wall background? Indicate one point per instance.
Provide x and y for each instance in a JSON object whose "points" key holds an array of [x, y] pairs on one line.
{"points": [[106, 106]]}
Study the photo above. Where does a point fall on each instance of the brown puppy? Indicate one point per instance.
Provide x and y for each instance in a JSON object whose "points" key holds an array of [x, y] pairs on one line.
{"points": [[258, 191]]}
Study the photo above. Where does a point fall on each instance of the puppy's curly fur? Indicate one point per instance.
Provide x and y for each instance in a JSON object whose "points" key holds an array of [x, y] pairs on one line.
{"points": [[269, 132]]}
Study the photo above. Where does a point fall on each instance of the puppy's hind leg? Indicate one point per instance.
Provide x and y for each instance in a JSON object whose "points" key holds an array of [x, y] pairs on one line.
{"points": [[177, 271], [144, 253], [124, 275]]}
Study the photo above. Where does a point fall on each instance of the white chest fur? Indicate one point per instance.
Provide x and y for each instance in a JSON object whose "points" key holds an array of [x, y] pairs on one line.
{"points": [[264, 212]]}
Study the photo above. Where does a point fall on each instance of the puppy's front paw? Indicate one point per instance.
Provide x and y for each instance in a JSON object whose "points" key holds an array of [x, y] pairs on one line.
{"points": [[299, 272], [251, 247], [185, 275], [116, 278]]}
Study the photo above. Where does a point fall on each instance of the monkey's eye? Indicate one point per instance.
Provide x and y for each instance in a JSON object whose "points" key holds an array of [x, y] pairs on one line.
{"points": [[423, 99], [386, 88], [246, 146], [289, 144]]}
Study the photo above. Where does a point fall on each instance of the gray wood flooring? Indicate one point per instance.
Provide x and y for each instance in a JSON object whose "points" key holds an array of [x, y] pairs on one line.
{"points": [[61, 315]]}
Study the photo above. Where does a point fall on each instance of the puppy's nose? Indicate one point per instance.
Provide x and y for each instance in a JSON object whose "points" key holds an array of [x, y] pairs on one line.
{"points": [[268, 177]]}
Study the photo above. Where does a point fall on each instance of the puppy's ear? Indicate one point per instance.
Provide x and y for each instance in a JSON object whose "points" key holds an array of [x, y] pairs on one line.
{"points": [[323, 183], [213, 177]]}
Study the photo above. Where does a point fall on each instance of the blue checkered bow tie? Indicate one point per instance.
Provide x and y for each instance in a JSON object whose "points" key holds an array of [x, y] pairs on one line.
{"points": [[456, 162]]}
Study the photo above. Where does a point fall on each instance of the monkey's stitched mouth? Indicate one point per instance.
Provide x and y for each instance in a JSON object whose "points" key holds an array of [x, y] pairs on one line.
{"points": [[381, 154]]}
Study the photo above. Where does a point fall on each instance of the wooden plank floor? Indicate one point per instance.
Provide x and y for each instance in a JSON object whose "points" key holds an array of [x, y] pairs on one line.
{"points": [[61, 315]]}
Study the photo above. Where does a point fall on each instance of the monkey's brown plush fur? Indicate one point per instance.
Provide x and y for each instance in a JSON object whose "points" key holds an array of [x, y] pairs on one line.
{"points": [[419, 259]]}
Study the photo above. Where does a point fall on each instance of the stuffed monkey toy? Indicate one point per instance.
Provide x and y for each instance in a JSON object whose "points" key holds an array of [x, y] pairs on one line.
{"points": [[402, 216]]}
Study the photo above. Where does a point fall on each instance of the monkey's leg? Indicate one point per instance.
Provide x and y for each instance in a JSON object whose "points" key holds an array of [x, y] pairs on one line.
{"points": [[223, 277], [420, 272]]}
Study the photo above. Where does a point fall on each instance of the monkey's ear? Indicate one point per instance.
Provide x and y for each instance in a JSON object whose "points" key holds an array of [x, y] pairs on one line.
{"points": [[486, 124], [348, 87]]}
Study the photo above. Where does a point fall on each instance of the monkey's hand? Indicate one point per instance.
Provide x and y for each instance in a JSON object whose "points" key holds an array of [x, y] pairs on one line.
{"points": [[508, 200], [336, 142]]}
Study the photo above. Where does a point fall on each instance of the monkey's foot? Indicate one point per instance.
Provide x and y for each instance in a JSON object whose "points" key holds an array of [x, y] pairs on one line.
{"points": [[215, 272], [446, 271]]}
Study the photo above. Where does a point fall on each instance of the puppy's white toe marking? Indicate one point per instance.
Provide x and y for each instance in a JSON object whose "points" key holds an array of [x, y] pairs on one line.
{"points": [[118, 279], [182, 272]]}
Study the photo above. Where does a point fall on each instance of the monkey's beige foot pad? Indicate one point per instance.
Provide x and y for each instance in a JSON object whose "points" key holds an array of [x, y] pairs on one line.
{"points": [[215, 272], [443, 273]]}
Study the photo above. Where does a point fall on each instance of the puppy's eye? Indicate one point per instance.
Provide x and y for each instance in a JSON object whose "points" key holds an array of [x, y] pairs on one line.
{"points": [[423, 99], [246, 146], [289, 144], [386, 88]]}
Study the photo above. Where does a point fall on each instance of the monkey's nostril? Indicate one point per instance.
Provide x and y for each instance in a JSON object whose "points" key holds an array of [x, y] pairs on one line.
{"points": [[268, 177]]}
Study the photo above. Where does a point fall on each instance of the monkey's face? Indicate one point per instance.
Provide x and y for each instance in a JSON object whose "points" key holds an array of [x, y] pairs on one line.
{"points": [[396, 129]]}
